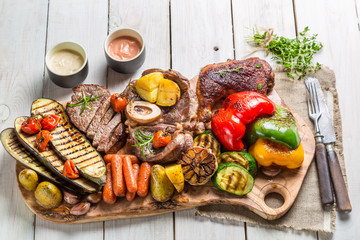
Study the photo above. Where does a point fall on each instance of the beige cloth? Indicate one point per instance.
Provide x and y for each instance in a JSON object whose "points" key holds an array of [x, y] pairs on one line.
{"points": [[307, 212]]}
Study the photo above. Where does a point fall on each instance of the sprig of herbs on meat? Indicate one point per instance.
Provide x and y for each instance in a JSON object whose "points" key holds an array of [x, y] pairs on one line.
{"points": [[143, 141], [223, 71], [295, 54], [84, 102]]}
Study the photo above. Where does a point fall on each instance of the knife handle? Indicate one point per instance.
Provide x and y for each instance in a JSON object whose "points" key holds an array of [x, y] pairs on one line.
{"points": [[341, 193], [326, 194]]}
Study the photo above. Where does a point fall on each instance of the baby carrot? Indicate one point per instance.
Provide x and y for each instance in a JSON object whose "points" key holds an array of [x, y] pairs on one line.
{"points": [[131, 195], [107, 158], [117, 175], [131, 183], [144, 179], [108, 193], [133, 158]]}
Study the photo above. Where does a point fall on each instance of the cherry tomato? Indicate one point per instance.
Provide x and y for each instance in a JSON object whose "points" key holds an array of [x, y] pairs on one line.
{"points": [[70, 170], [31, 126], [42, 140], [50, 122], [161, 139], [118, 102]]}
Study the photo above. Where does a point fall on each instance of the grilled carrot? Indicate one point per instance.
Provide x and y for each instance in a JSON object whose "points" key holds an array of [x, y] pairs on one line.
{"points": [[131, 183], [117, 175], [131, 195], [108, 193], [144, 179], [107, 158]]}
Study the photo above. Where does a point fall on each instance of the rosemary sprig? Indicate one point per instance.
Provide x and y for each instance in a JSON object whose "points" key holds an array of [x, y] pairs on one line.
{"points": [[223, 71], [85, 102], [142, 141]]}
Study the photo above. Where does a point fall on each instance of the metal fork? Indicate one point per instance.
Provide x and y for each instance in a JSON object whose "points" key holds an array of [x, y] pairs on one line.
{"points": [[313, 106], [326, 193]]}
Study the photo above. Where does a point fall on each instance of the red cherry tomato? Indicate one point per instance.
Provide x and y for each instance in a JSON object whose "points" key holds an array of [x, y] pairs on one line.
{"points": [[42, 140], [118, 102], [161, 139], [50, 122], [70, 170], [31, 126]]}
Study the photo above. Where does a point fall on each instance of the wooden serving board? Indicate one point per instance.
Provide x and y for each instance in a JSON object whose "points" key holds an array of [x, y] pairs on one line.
{"points": [[287, 184]]}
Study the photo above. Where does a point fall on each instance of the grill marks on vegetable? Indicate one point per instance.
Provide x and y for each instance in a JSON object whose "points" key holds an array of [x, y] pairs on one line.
{"points": [[69, 143]]}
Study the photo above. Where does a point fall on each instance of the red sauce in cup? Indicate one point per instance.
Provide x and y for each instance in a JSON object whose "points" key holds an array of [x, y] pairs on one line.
{"points": [[124, 48]]}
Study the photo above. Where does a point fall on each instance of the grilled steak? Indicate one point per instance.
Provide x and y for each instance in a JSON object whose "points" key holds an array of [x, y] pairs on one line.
{"points": [[180, 142], [82, 121], [104, 121], [95, 123], [220, 80], [117, 140], [108, 131]]}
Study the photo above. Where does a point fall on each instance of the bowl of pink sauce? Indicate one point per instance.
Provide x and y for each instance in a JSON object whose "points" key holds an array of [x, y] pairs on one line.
{"points": [[124, 50]]}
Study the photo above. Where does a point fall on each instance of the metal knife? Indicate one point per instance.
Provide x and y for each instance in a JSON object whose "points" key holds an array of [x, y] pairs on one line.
{"points": [[327, 130]]}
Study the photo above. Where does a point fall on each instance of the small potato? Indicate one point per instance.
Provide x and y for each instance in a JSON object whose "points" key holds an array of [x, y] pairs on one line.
{"points": [[147, 86], [168, 94], [176, 176], [161, 187], [48, 195], [28, 179]]}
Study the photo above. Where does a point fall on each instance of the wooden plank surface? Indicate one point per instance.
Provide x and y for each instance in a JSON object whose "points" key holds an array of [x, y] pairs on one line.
{"points": [[201, 33], [22, 41], [151, 19], [338, 27], [85, 23]]}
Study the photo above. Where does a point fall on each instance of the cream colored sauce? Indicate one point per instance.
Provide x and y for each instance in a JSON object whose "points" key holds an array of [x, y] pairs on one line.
{"points": [[66, 61]]}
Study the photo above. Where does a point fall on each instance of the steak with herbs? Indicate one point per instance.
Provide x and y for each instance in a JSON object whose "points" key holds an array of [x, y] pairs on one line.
{"points": [[82, 120], [217, 81]]}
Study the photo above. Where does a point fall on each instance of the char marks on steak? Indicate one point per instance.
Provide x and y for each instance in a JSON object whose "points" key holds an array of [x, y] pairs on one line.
{"points": [[104, 121], [117, 140], [172, 152], [108, 132], [95, 123], [82, 121], [219, 80]]}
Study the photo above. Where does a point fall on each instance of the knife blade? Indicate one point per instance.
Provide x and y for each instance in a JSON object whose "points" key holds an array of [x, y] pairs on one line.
{"points": [[328, 131]]}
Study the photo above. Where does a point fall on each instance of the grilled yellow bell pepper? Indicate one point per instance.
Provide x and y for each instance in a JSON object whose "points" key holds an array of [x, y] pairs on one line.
{"points": [[267, 152]]}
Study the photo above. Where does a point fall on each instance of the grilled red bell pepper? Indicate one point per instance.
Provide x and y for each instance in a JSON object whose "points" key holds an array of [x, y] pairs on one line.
{"points": [[241, 108], [249, 105], [229, 129]]}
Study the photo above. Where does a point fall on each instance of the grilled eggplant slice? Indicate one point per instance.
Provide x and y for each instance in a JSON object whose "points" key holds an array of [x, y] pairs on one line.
{"points": [[70, 144], [49, 158], [13, 146]]}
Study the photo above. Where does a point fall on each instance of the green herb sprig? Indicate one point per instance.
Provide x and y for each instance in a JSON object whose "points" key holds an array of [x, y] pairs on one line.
{"points": [[295, 54], [84, 102], [143, 141], [223, 71]]}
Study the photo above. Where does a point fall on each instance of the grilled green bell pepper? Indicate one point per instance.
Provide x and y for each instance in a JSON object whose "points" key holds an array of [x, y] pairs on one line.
{"points": [[280, 127]]}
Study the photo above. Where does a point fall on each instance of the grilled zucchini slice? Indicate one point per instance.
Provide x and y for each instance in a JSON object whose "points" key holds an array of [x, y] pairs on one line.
{"points": [[49, 158], [70, 144], [246, 160], [207, 140], [233, 178], [13, 146]]}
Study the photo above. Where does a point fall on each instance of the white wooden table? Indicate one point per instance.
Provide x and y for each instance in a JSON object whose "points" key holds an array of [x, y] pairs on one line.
{"points": [[180, 34]]}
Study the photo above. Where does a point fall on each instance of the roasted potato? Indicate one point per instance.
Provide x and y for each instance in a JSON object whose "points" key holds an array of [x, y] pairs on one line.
{"points": [[168, 94], [48, 195], [148, 85], [161, 187], [176, 176], [28, 179]]}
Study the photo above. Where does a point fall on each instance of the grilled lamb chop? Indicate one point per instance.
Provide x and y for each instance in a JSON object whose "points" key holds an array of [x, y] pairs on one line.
{"points": [[172, 152], [219, 80], [82, 121]]}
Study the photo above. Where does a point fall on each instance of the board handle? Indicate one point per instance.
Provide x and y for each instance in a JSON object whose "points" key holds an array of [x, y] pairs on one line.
{"points": [[326, 194]]}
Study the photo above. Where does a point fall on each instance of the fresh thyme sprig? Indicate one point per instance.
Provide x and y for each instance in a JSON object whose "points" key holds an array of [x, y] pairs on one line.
{"points": [[295, 54], [142, 141], [84, 102]]}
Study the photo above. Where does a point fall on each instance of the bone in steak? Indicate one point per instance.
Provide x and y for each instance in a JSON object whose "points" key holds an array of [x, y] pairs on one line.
{"points": [[82, 121], [170, 153], [222, 79]]}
